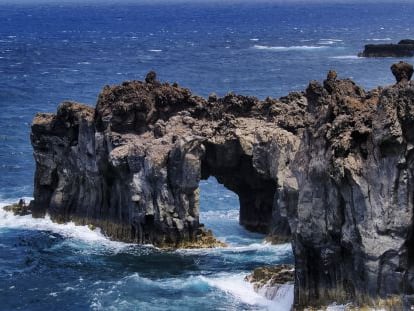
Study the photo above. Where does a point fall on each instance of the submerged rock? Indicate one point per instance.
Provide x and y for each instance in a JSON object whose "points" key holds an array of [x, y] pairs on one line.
{"points": [[330, 168], [20, 208]]}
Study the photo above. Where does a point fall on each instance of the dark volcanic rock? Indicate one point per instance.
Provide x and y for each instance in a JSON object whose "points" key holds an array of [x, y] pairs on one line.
{"points": [[404, 48], [330, 168], [20, 208], [406, 41], [270, 280], [271, 275], [151, 77], [402, 71]]}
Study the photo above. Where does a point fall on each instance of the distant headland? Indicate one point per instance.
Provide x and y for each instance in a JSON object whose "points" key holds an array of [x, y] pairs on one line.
{"points": [[404, 48]]}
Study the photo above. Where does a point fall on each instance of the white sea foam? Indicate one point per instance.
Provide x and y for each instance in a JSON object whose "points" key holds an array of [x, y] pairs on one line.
{"points": [[238, 287], [288, 48], [254, 39], [282, 294], [264, 246], [231, 283], [168, 283], [235, 285], [232, 214], [326, 42], [69, 230], [329, 41], [346, 57], [154, 50], [283, 248], [379, 39]]}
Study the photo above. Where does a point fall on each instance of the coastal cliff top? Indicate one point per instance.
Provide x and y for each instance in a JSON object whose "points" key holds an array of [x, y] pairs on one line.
{"points": [[151, 113]]}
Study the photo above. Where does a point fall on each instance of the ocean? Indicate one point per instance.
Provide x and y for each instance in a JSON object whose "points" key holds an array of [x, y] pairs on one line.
{"points": [[55, 52]]}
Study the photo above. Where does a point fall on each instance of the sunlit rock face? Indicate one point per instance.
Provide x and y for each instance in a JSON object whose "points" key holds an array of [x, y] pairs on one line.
{"points": [[330, 169]]}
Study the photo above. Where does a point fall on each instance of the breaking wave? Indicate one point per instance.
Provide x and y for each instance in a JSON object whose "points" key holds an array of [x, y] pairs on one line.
{"points": [[68, 230]]}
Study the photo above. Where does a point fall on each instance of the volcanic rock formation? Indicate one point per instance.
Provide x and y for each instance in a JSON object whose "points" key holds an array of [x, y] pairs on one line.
{"points": [[272, 281], [330, 168], [404, 48]]}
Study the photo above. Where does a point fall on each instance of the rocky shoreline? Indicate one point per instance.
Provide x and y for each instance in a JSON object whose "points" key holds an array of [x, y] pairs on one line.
{"points": [[330, 169]]}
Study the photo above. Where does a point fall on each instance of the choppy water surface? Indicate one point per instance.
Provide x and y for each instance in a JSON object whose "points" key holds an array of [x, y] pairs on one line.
{"points": [[47, 265], [50, 53]]}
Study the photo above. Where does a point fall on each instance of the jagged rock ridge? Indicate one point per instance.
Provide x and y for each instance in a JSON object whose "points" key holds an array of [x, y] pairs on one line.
{"points": [[330, 168]]}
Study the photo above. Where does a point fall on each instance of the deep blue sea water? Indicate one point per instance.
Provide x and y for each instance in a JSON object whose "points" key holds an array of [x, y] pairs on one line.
{"points": [[50, 53]]}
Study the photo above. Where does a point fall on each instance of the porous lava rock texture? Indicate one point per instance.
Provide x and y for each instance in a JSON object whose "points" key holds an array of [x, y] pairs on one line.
{"points": [[330, 169]]}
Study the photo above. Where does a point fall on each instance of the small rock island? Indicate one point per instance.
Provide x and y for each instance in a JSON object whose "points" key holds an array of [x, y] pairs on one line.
{"points": [[404, 48], [330, 169]]}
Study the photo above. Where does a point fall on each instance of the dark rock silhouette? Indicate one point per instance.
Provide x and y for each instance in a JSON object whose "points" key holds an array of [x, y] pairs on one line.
{"points": [[151, 77], [20, 208], [406, 41], [402, 71], [330, 169], [404, 48]]}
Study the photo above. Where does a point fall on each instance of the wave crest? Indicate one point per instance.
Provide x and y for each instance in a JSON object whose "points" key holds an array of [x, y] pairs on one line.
{"points": [[69, 230]]}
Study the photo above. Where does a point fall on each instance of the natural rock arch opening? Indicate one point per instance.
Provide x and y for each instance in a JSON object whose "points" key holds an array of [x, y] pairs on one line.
{"points": [[257, 192]]}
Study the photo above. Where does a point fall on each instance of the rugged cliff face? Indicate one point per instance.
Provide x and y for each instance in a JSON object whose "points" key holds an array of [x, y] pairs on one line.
{"points": [[330, 168]]}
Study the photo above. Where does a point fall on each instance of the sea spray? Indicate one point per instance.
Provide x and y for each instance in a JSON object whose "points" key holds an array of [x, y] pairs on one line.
{"points": [[68, 230]]}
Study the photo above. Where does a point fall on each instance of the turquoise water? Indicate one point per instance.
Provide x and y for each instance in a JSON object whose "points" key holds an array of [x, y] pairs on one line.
{"points": [[50, 53]]}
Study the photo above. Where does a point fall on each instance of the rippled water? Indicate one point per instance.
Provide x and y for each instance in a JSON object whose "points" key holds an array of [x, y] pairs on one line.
{"points": [[43, 264], [50, 53]]}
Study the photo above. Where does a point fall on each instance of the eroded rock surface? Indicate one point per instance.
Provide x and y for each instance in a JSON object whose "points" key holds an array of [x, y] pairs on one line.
{"points": [[330, 168], [402, 71], [271, 275], [273, 282]]}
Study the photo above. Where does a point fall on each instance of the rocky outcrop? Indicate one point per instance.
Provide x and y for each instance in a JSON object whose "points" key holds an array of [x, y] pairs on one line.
{"points": [[330, 168], [132, 165], [19, 209], [271, 275], [273, 282], [402, 71], [404, 48]]}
